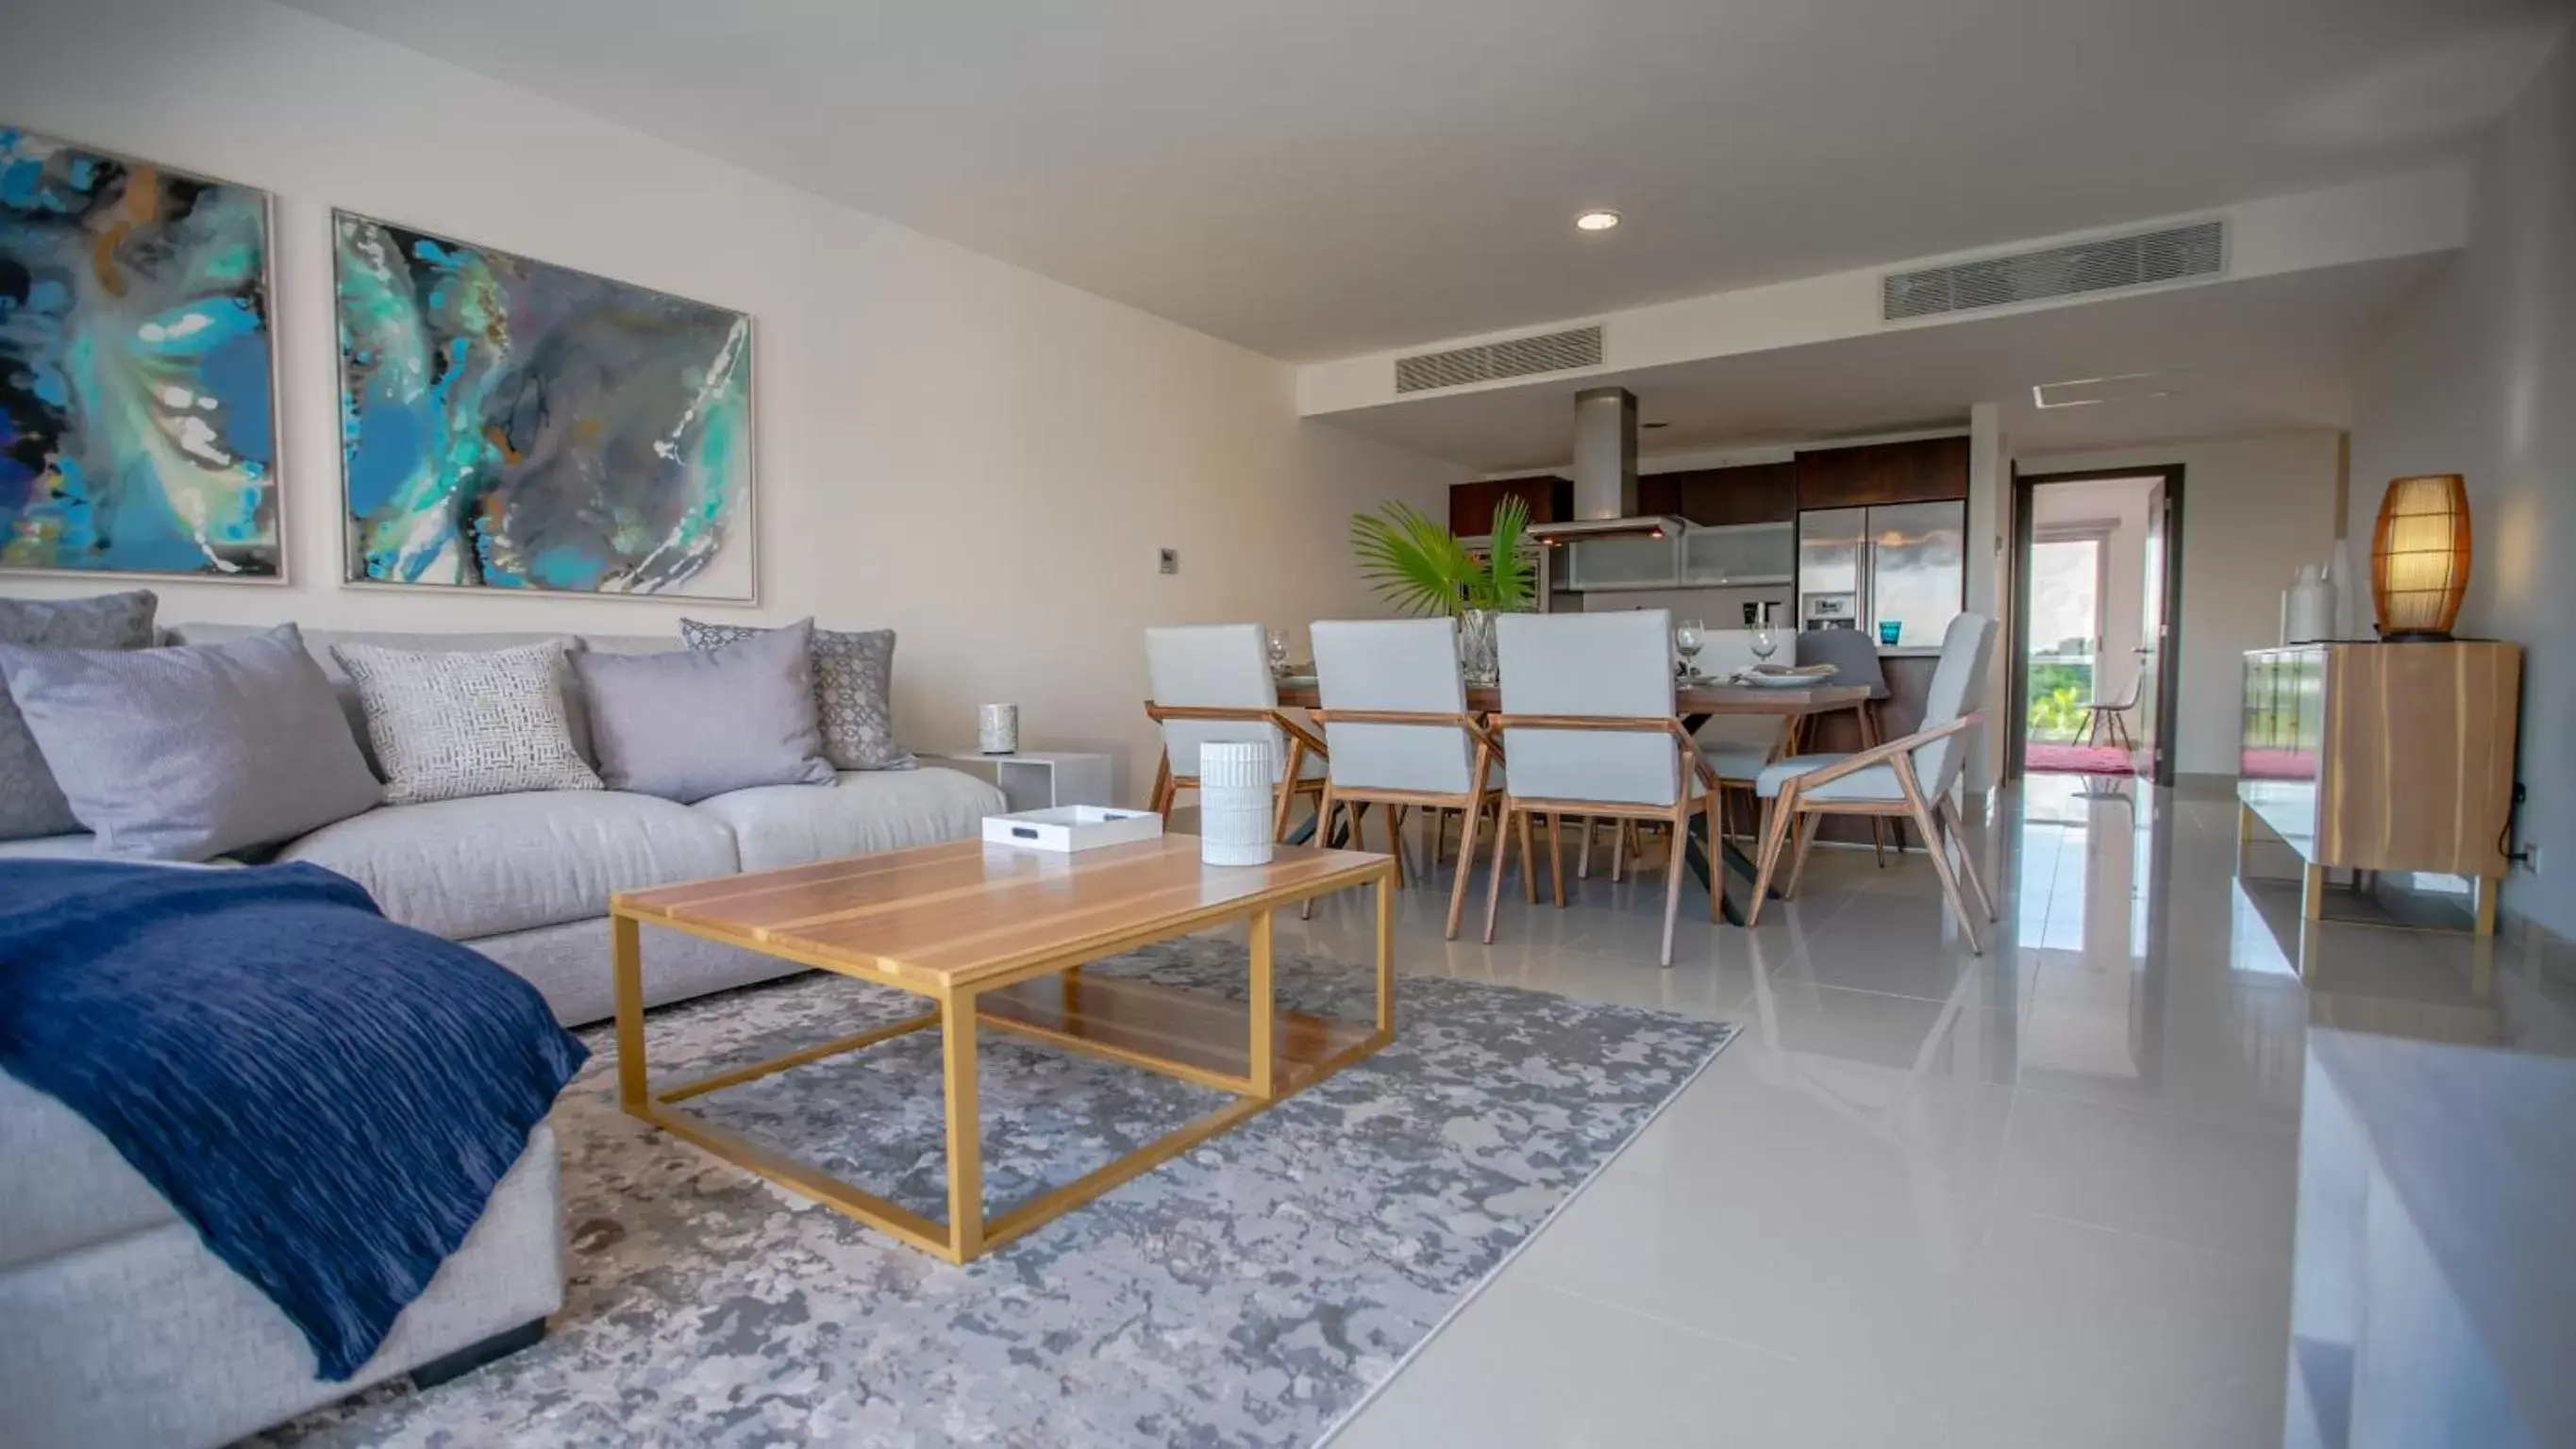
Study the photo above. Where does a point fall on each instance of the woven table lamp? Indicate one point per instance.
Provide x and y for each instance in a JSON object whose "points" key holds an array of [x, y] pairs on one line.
{"points": [[2419, 557]]}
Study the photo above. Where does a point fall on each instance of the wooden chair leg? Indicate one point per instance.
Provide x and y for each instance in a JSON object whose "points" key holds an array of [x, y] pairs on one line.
{"points": [[1556, 858], [1922, 812], [1287, 791], [1163, 792], [1583, 857], [1782, 812], [1949, 813], [1798, 863], [1618, 849], [1494, 886], [1673, 882], [1878, 839], [1323, 836], [1466, 865], [1529, 859], [1395, 841]]}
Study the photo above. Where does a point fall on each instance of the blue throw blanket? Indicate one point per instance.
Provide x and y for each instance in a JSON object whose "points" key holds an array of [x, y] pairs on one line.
{"points": [[327, 1097]]}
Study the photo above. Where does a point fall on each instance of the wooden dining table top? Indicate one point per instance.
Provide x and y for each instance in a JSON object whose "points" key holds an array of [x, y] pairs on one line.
{"points": [[1299, 692]]}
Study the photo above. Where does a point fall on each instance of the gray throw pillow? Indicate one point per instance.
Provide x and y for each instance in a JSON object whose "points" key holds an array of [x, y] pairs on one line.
{"points": [[31, 804], [693, 723], [853, 691], [193, 751], [447, 725]]}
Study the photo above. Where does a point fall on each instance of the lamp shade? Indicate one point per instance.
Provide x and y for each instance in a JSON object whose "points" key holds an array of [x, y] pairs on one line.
{"points": [[2419, 556]]}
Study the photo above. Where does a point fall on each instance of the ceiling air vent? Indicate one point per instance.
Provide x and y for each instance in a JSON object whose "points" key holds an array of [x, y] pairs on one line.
{"points": [[1511, 357], [2103, 265]]}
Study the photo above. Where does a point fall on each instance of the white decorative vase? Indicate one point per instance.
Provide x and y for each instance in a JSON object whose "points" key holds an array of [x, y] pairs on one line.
{"points": [[2308, 607], [997, 729], [1234, 802]]}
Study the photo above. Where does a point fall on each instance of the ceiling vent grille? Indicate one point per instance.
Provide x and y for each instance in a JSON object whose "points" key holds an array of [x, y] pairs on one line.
{"points": [[1489, 361], [2104, 265]]}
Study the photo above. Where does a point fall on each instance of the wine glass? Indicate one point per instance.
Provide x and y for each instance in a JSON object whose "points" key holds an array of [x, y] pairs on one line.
{"points": [[1278, 643], [1765, 643], [1688, 636]]}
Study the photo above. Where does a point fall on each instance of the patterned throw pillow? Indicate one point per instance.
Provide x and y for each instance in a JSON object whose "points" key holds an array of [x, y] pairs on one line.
{"points": [[853, 691], [31, 803], [446, 726]]}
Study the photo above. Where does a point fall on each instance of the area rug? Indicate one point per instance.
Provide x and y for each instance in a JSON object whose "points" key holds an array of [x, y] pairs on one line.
{"points": [[1250, 1292], [2066, 759]]}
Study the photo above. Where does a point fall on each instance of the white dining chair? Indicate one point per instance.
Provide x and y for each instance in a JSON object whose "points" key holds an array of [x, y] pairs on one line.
{"points": [[1395, 720], [1910, 778], [1212, 685], [1854, 655], [1588, 722], [1736, 746]]}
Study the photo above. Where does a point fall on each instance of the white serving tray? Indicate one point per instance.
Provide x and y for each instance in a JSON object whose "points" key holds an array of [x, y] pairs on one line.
{"points": [[1071, 827]]}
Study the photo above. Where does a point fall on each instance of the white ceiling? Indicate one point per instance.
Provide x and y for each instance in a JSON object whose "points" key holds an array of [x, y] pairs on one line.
{"points": [[1317, 178], [2243, 358]]}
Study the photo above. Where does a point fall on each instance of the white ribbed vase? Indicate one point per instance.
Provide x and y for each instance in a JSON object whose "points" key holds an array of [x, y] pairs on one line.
{"points": [[1234, 803]]}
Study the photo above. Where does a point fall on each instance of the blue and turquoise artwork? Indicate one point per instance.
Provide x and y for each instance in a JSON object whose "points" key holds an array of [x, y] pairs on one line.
{"points": [[509, 424], [137, 431]]}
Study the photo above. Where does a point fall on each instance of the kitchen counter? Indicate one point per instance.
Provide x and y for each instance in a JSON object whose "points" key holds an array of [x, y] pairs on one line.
{"points": [[1909, 651]]}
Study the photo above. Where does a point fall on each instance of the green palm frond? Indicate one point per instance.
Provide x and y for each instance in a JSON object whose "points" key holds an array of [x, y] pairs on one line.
{"points": [[1418, 566]]}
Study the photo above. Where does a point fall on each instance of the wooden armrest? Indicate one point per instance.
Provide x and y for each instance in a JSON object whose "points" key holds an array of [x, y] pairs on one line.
{"points": [[1612, 724], [1880, 754], [1163, 713]]}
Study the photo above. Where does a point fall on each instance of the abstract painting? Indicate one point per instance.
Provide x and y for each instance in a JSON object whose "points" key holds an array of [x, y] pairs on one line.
{"points": [[509, 424], [137, 432]]}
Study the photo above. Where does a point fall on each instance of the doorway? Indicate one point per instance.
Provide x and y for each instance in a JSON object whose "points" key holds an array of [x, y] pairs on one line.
{"points": [[2097, 580]]}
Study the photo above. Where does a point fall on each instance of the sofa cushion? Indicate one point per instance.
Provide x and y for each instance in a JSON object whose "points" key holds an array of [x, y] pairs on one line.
{"points": [[861, 811], [696, 723], [319, 643], [67, 1186], [446, 725], [31, 804], [494, 863], [192, 752]]}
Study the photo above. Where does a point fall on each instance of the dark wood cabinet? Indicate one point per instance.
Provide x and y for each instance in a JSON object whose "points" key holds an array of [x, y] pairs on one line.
{"points": [[1759, 493], [1471, 505], [1926, 471]]}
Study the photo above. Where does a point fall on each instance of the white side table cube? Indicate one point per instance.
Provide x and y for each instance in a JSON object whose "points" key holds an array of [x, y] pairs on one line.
{"points": [[1037, 779]]}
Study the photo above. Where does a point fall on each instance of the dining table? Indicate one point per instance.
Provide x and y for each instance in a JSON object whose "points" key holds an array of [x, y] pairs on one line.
{"points": [[1695, 702]]}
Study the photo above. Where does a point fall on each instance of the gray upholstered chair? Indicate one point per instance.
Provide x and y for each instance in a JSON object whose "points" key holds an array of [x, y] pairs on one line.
{"points": [[1212, 685], [1854, 656], [1588, 718], [1909, 778], [1396, 723]]}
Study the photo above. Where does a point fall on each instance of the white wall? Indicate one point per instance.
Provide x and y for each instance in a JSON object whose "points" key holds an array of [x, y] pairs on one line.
{"points": [[2254, 509], [978, 457], [2477, 376], [2118, 505]]}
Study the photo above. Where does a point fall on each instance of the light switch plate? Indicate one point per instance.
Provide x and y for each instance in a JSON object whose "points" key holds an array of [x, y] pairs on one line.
{"points": [[1171, 560]]}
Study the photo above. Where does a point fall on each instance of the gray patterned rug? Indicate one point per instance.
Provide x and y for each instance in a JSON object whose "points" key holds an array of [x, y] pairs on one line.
{"points": [[1251, 1292]]}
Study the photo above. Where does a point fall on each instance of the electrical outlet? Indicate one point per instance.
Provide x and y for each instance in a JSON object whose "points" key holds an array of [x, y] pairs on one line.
{"points": [[2531, 858], [1171, 560]]}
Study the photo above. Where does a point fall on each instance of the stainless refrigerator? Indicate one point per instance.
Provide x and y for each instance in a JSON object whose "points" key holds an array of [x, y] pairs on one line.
{"points": [[1904, 563]]}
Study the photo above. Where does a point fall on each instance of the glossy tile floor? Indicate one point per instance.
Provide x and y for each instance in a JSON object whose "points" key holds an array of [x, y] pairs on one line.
{"points": [[2039, 1197]]}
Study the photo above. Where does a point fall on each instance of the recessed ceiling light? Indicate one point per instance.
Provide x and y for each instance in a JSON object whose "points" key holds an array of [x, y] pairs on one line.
{"points": [[1597, 219]]}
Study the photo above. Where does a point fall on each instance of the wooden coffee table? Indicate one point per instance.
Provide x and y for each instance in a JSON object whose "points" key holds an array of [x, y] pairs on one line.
{"points": [[996, 937]]}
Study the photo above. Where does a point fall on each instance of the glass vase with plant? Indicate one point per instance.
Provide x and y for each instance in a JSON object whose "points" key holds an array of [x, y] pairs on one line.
{"points": [[1420, 567]]}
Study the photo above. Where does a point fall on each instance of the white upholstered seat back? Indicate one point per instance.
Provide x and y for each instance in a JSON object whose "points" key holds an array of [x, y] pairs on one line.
{"points": [[1589, 664], [1958, 687], [1408, 665], [1212, 666]]}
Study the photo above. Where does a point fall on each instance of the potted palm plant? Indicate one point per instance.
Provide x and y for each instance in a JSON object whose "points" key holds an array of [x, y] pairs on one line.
{"points": [[1422, 568]]}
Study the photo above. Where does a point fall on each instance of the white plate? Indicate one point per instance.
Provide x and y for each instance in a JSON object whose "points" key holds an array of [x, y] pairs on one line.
{"points": [[1784, 681]]}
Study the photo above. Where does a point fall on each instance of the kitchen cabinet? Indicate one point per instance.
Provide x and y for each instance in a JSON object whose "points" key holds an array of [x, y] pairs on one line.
{"points": [[1720, 497], [1929, 470], [1747, 553], [1471, 505]]}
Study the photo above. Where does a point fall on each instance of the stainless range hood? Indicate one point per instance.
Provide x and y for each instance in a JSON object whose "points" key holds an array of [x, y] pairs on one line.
{"points": [[1605, 474]]}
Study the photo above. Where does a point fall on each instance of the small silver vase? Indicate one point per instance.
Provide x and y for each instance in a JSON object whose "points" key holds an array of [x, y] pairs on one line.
{"points": [[1476, 648]]}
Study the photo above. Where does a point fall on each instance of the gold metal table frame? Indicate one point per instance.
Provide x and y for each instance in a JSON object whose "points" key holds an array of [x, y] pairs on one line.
{"points": [[1013, 963]]}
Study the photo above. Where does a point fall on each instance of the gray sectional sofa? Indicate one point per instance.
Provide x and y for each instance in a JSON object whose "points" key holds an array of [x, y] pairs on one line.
{"points": [[124, 1329], [525, 879]]}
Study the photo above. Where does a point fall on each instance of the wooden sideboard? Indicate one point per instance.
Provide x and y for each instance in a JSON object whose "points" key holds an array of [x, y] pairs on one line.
{"points": [[2383, 757]]}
